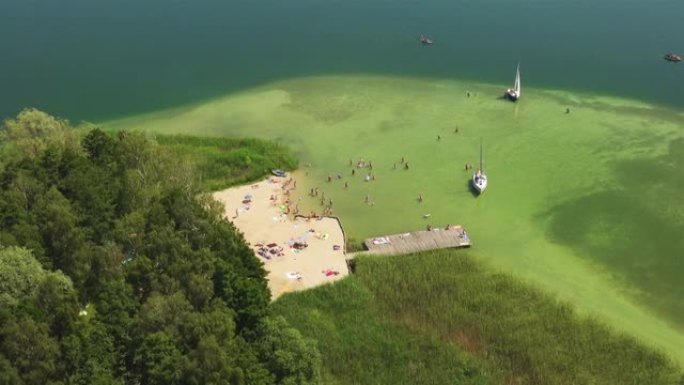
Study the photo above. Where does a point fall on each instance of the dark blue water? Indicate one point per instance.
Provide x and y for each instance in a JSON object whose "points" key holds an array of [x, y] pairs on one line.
{"points": [[95, 60]]}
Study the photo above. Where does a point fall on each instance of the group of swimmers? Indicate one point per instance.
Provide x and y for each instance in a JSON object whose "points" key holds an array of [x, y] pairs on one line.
{"points": [[315, 192], [327, 205]]}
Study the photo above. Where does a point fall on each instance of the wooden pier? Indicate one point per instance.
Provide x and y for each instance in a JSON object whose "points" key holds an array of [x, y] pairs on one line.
{"points": [[412, 242]]}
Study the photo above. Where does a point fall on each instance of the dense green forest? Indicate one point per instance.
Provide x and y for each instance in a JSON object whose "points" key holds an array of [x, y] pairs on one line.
{"points": [[443, 318], [115, 269]]}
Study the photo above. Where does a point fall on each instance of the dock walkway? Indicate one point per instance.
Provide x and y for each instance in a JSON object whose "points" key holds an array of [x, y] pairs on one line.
{"points": [[412, 242]]}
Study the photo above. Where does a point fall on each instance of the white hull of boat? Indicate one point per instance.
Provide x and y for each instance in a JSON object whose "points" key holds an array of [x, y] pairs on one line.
{"points": [[480, 182], [512, 95]]}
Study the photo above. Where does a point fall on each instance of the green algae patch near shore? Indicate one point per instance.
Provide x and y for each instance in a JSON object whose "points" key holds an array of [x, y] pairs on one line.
{"points": [[583, 203]]}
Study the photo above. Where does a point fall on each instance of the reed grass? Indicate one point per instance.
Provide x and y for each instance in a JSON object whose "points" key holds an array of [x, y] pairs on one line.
{"points": [[225, 162], [440, 318]]}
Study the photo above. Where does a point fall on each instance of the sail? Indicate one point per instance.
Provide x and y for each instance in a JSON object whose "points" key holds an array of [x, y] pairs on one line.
{"points": [[516, 86]]}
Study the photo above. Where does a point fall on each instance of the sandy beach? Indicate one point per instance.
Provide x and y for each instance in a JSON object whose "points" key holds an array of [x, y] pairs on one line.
{"points": [[298, 252]]}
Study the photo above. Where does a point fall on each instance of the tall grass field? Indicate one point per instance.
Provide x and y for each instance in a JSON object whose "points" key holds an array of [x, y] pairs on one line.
{"points": [[443, 318]]}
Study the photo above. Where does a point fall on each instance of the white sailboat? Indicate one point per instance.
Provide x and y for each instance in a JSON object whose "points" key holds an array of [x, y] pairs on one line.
{"points": [[480, 178], [513, 94]]}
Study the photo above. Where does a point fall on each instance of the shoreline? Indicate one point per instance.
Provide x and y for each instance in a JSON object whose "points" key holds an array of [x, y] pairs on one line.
{"points": [[298, 252], [560, 156]]}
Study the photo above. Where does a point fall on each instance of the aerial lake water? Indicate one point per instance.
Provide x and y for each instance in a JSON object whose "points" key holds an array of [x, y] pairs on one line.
{"points": [[585, 204]]}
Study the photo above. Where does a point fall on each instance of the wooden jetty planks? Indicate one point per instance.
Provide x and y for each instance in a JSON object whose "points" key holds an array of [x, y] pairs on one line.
{"points": [[412, 242]]}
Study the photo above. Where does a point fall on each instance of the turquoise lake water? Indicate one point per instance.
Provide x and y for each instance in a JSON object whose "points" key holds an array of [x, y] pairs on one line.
{"points": [[98, 60]]}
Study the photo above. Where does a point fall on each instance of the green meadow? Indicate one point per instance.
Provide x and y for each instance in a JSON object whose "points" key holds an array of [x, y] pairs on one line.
{"points": [[585, 204]]}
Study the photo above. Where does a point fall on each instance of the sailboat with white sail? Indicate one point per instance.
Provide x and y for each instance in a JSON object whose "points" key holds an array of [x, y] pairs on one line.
{"points": [[480, 178], [513, 94]]}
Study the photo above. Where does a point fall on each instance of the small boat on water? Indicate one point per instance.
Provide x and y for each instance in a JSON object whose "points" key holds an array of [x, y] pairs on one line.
{"points": [[513, 94], [480, 178], [673, 57], [425, 40]]}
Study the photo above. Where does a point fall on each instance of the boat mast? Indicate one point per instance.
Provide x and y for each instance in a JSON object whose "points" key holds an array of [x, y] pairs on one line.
{"points": [[481, 169], [516, 86]]}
